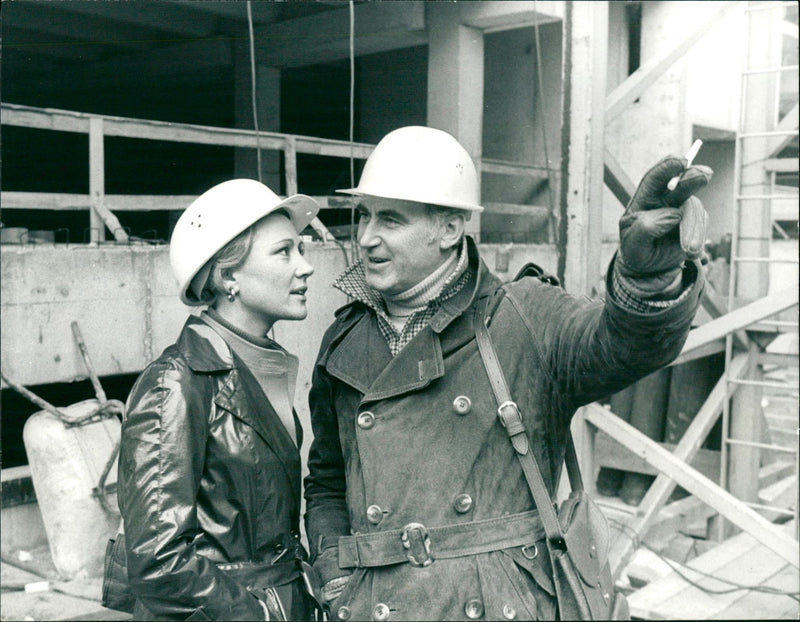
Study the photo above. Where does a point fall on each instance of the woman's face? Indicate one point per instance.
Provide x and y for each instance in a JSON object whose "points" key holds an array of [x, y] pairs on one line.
{"points": [[272, 280]]}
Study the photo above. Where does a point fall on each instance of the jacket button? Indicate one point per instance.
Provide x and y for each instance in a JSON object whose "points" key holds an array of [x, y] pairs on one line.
{"points": [[381, 612], [343, 613], [473, 609], [366, 420], [509, 613], [463, 503], [462, 405], [374, 514]]}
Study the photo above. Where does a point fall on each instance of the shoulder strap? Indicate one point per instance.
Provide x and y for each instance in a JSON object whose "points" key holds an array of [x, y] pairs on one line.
{"points": [[510, 418]]}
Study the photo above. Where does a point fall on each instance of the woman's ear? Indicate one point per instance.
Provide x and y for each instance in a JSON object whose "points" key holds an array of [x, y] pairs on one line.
{"points": [[453, 225]]}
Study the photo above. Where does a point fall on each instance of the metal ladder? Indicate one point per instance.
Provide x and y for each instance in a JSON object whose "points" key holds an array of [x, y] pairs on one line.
{"points": [[765, 183]]}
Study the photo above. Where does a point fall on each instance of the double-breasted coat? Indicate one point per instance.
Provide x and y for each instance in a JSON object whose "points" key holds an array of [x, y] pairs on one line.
{"points": [[209, 485], [412, 443]]}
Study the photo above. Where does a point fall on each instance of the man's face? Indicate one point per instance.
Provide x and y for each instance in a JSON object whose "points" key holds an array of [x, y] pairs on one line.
{"points": [[400, 243]]}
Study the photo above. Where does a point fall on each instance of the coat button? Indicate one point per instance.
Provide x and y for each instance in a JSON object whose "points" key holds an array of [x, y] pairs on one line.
{"points": [[463, 503], [381, 612], [343, 613], [509, 613], [462, 405], [374, 514], [366, 420], [474, 608]]}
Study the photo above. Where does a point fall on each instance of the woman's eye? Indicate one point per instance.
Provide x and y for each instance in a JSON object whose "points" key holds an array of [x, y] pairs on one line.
{"points": [[284, 251], [301, 248]]}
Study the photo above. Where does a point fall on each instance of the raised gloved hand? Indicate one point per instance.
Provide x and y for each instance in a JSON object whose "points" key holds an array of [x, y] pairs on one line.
{"points": [[650, 253]]}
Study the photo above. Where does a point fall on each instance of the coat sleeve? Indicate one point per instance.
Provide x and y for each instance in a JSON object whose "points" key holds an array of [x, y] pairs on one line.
{"points": [[326, 516], [160, 468], [592, 349]]}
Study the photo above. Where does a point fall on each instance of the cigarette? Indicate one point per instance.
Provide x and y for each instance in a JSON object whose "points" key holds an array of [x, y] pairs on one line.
{"points": [[690, 155]]}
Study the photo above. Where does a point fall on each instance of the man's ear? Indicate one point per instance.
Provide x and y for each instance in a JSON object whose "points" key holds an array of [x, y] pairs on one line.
{"points": [[453, 226]]}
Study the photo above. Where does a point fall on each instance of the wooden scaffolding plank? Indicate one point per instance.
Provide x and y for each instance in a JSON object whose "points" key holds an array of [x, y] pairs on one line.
{"points": [[627, 92], [662, 487], [726, 504], [740, 318]]}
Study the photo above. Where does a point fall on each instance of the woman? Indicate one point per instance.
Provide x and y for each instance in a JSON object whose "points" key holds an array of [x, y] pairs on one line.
{"points": [[209, 469]]}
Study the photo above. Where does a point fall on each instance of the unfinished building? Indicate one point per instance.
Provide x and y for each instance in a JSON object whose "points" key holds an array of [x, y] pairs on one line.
{"points": [[115, 116]]}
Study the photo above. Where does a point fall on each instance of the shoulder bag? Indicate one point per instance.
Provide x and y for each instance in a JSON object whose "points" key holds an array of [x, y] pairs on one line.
{"points": [[577, 534]]}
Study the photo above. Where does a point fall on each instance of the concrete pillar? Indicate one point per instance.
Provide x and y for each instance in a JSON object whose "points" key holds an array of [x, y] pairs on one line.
{"points": [[585, 67], [268, 104], [455, 82]]}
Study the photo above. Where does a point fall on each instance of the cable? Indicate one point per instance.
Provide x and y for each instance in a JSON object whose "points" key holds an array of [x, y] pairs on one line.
{"points": [[253, 85], [675, 565], [352, 114]]}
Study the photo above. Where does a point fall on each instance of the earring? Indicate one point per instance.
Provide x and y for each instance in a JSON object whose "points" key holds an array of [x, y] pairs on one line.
{"points": [[231, 294]]}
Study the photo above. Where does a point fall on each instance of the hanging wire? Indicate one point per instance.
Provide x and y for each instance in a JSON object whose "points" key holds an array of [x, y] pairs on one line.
{"points": [[352, 107], [253, 85], [550, 188]]}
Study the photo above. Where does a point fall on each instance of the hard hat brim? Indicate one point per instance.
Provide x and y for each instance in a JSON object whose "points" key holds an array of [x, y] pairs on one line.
{"points": [[471, 207]]}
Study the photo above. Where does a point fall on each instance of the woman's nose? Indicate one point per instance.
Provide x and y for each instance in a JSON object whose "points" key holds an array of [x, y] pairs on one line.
{"points": [[304, 268]]}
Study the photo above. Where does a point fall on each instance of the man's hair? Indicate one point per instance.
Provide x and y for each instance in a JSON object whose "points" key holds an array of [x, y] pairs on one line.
{"points": [[442, 213]]}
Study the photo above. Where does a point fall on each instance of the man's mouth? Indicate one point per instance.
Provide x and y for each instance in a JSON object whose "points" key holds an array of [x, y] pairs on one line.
{"points": [[376, 261]]}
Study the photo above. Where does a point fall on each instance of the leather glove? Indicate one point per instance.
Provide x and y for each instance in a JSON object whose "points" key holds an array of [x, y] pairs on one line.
{"points": [[650, 254]]}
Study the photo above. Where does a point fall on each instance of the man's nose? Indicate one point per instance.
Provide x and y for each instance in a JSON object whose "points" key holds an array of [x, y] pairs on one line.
{"points": [[366, 235]]}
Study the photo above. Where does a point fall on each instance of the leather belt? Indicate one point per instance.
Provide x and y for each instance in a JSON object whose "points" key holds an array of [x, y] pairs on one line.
{"points": [[420, 545], [256, 575]]}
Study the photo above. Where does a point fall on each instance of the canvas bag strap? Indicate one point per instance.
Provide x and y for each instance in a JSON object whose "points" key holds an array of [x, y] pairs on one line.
{"points": [[511, 420]]}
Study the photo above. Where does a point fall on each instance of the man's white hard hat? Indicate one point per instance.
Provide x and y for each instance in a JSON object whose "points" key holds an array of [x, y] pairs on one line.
{"points": [[215, 218], [421, 164]]}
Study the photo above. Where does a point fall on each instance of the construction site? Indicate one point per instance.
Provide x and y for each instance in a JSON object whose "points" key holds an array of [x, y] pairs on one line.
{"points": [[116, 116]]}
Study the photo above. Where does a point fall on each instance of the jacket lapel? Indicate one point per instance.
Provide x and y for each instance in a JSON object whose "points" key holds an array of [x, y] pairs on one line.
{"points": [[361, 355], [246, 401]]}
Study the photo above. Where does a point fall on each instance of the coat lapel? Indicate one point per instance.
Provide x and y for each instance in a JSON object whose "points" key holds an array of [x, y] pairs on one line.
{"points": [[246, 401], [361, 355]]}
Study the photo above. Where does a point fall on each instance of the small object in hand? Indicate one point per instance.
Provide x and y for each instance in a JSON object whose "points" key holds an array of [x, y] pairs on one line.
{"points": [[693, 227], [690, 156]]}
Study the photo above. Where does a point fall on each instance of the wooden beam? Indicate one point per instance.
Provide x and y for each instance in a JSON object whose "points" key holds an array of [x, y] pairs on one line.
{"points": [[616, 179], [97, 232], [781, 165], [725, 503], [513, 209], [611, 454], [710, 305], [686, 450], [69, 121], [503, 167], [499, 16], [707, 349], [633, 87], [325, 37], [740, 318]]}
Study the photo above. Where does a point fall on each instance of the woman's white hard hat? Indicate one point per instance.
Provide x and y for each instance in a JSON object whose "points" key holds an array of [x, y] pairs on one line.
{"points": [[215, 218], [421, 164]]}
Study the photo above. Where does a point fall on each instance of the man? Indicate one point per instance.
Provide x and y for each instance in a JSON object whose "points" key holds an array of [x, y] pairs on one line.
{"points": [[417, 507]]}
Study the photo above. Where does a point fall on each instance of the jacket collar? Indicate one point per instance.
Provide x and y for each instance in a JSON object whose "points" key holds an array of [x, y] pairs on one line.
{"points": [[362, 358], [203, 347]]}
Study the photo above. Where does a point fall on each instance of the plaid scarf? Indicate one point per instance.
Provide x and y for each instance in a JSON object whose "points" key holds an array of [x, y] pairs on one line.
{"points": [[353, 282]]}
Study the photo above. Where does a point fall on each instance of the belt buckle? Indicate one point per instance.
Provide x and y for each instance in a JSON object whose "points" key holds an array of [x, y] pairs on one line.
{"points": [[417, 544]]}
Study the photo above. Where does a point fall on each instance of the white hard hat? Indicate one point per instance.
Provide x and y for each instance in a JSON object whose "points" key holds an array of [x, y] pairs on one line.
{"points": [[215, 218], [421, 164]]}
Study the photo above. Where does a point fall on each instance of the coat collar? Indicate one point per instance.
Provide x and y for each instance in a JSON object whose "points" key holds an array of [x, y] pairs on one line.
{"points": [[362, 358], [203, 347]]}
